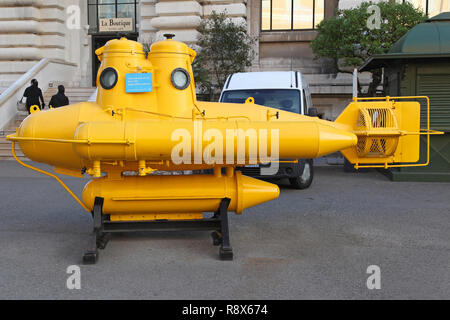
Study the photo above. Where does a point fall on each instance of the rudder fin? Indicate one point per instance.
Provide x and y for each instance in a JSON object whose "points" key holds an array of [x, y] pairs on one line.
{"points": [[388, 131]]}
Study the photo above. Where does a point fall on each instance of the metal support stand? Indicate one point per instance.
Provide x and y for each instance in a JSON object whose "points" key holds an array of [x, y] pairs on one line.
{"points": [[103, 228], [222, 236], [98, 239]]}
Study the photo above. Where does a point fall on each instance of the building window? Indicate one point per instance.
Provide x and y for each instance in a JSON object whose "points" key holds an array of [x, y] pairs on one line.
{"points": [[279, 15], [430, 7], [101, 9]]}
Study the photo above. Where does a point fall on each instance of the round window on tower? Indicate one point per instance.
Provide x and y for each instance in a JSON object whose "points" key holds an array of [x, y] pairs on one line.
{"points": [[180, 78], [108, 78]]}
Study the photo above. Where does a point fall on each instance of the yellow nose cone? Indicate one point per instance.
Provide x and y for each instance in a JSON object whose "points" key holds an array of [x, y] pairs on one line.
{"points": [[332, 139], [255, 192]]}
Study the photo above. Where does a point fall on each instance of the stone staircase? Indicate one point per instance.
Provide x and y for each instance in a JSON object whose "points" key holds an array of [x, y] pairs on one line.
{"points": [[75, 95], [5, 145]]}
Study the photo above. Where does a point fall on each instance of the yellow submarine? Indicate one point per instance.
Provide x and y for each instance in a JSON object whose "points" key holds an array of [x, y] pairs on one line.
{"points": [[147, 118]]}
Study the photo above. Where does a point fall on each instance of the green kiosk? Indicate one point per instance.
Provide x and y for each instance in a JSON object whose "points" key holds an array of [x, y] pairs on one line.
{"points": [[419, 65]]}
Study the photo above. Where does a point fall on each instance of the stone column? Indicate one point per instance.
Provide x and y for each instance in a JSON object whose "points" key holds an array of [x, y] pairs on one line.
{"points": [[147, 32], [182, 17], [178, 17], [236, 10]]}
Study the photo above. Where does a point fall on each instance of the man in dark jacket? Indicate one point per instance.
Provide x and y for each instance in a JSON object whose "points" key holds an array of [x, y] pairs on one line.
{"points": [[33, 94], [59, 99]]}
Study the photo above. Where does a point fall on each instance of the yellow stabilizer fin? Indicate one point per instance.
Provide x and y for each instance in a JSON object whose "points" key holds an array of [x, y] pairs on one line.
{"points": [[388, 131]]}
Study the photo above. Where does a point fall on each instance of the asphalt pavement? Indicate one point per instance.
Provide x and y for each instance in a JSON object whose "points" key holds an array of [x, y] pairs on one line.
{"points": [[308, 244]]}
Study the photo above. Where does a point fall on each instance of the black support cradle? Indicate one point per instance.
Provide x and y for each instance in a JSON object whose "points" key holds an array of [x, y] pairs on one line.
{"points": [[103, 228]]}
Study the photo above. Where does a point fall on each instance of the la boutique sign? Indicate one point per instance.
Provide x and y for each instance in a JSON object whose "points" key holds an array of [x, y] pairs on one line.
{"points": [[116, 24]]}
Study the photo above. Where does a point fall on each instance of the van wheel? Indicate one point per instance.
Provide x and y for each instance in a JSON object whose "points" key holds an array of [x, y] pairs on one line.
{"points": [[305, 180]]}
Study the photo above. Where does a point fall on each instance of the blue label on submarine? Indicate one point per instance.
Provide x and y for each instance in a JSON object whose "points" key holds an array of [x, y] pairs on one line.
{"points": [[139, 82]]}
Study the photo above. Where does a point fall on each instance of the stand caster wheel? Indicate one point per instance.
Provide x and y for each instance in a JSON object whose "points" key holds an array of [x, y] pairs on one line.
{"points": [[90, 257], [226, 254], [217, 239]]}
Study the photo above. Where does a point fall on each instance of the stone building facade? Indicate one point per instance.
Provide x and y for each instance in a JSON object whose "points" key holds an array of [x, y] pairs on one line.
{"points": [[31, 30], [69, 31]]}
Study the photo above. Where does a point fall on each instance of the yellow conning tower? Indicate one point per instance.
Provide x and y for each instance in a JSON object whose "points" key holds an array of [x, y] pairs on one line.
{"points": [[172, 61], [169, 67], [119, 58]]}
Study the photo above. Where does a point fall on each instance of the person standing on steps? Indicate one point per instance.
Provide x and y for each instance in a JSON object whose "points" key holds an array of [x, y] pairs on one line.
{"points": [[33, 95], [59, 99]]}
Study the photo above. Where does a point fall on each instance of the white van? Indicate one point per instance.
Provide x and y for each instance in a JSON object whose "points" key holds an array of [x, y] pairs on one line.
{"points": [[285, 90]]}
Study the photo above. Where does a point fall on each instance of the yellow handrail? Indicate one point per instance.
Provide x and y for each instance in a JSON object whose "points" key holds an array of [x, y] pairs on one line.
{"points": [[13, 150]]}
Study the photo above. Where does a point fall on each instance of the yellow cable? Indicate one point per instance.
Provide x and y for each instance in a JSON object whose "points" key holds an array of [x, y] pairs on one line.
{"points": [[13, 150]]}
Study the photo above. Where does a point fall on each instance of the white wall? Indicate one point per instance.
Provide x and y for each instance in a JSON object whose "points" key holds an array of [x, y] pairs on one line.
{"points": [[78, 47]]}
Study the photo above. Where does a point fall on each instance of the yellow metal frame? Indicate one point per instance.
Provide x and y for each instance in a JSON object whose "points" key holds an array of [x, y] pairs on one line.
{"points": [[428, 132]]}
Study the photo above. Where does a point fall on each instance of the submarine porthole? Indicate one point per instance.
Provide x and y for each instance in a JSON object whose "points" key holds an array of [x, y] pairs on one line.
{"points": [[108, 78], [180, 78]]}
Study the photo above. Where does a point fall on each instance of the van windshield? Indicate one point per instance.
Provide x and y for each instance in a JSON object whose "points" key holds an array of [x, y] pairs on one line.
{"points": [[283, 99]]}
